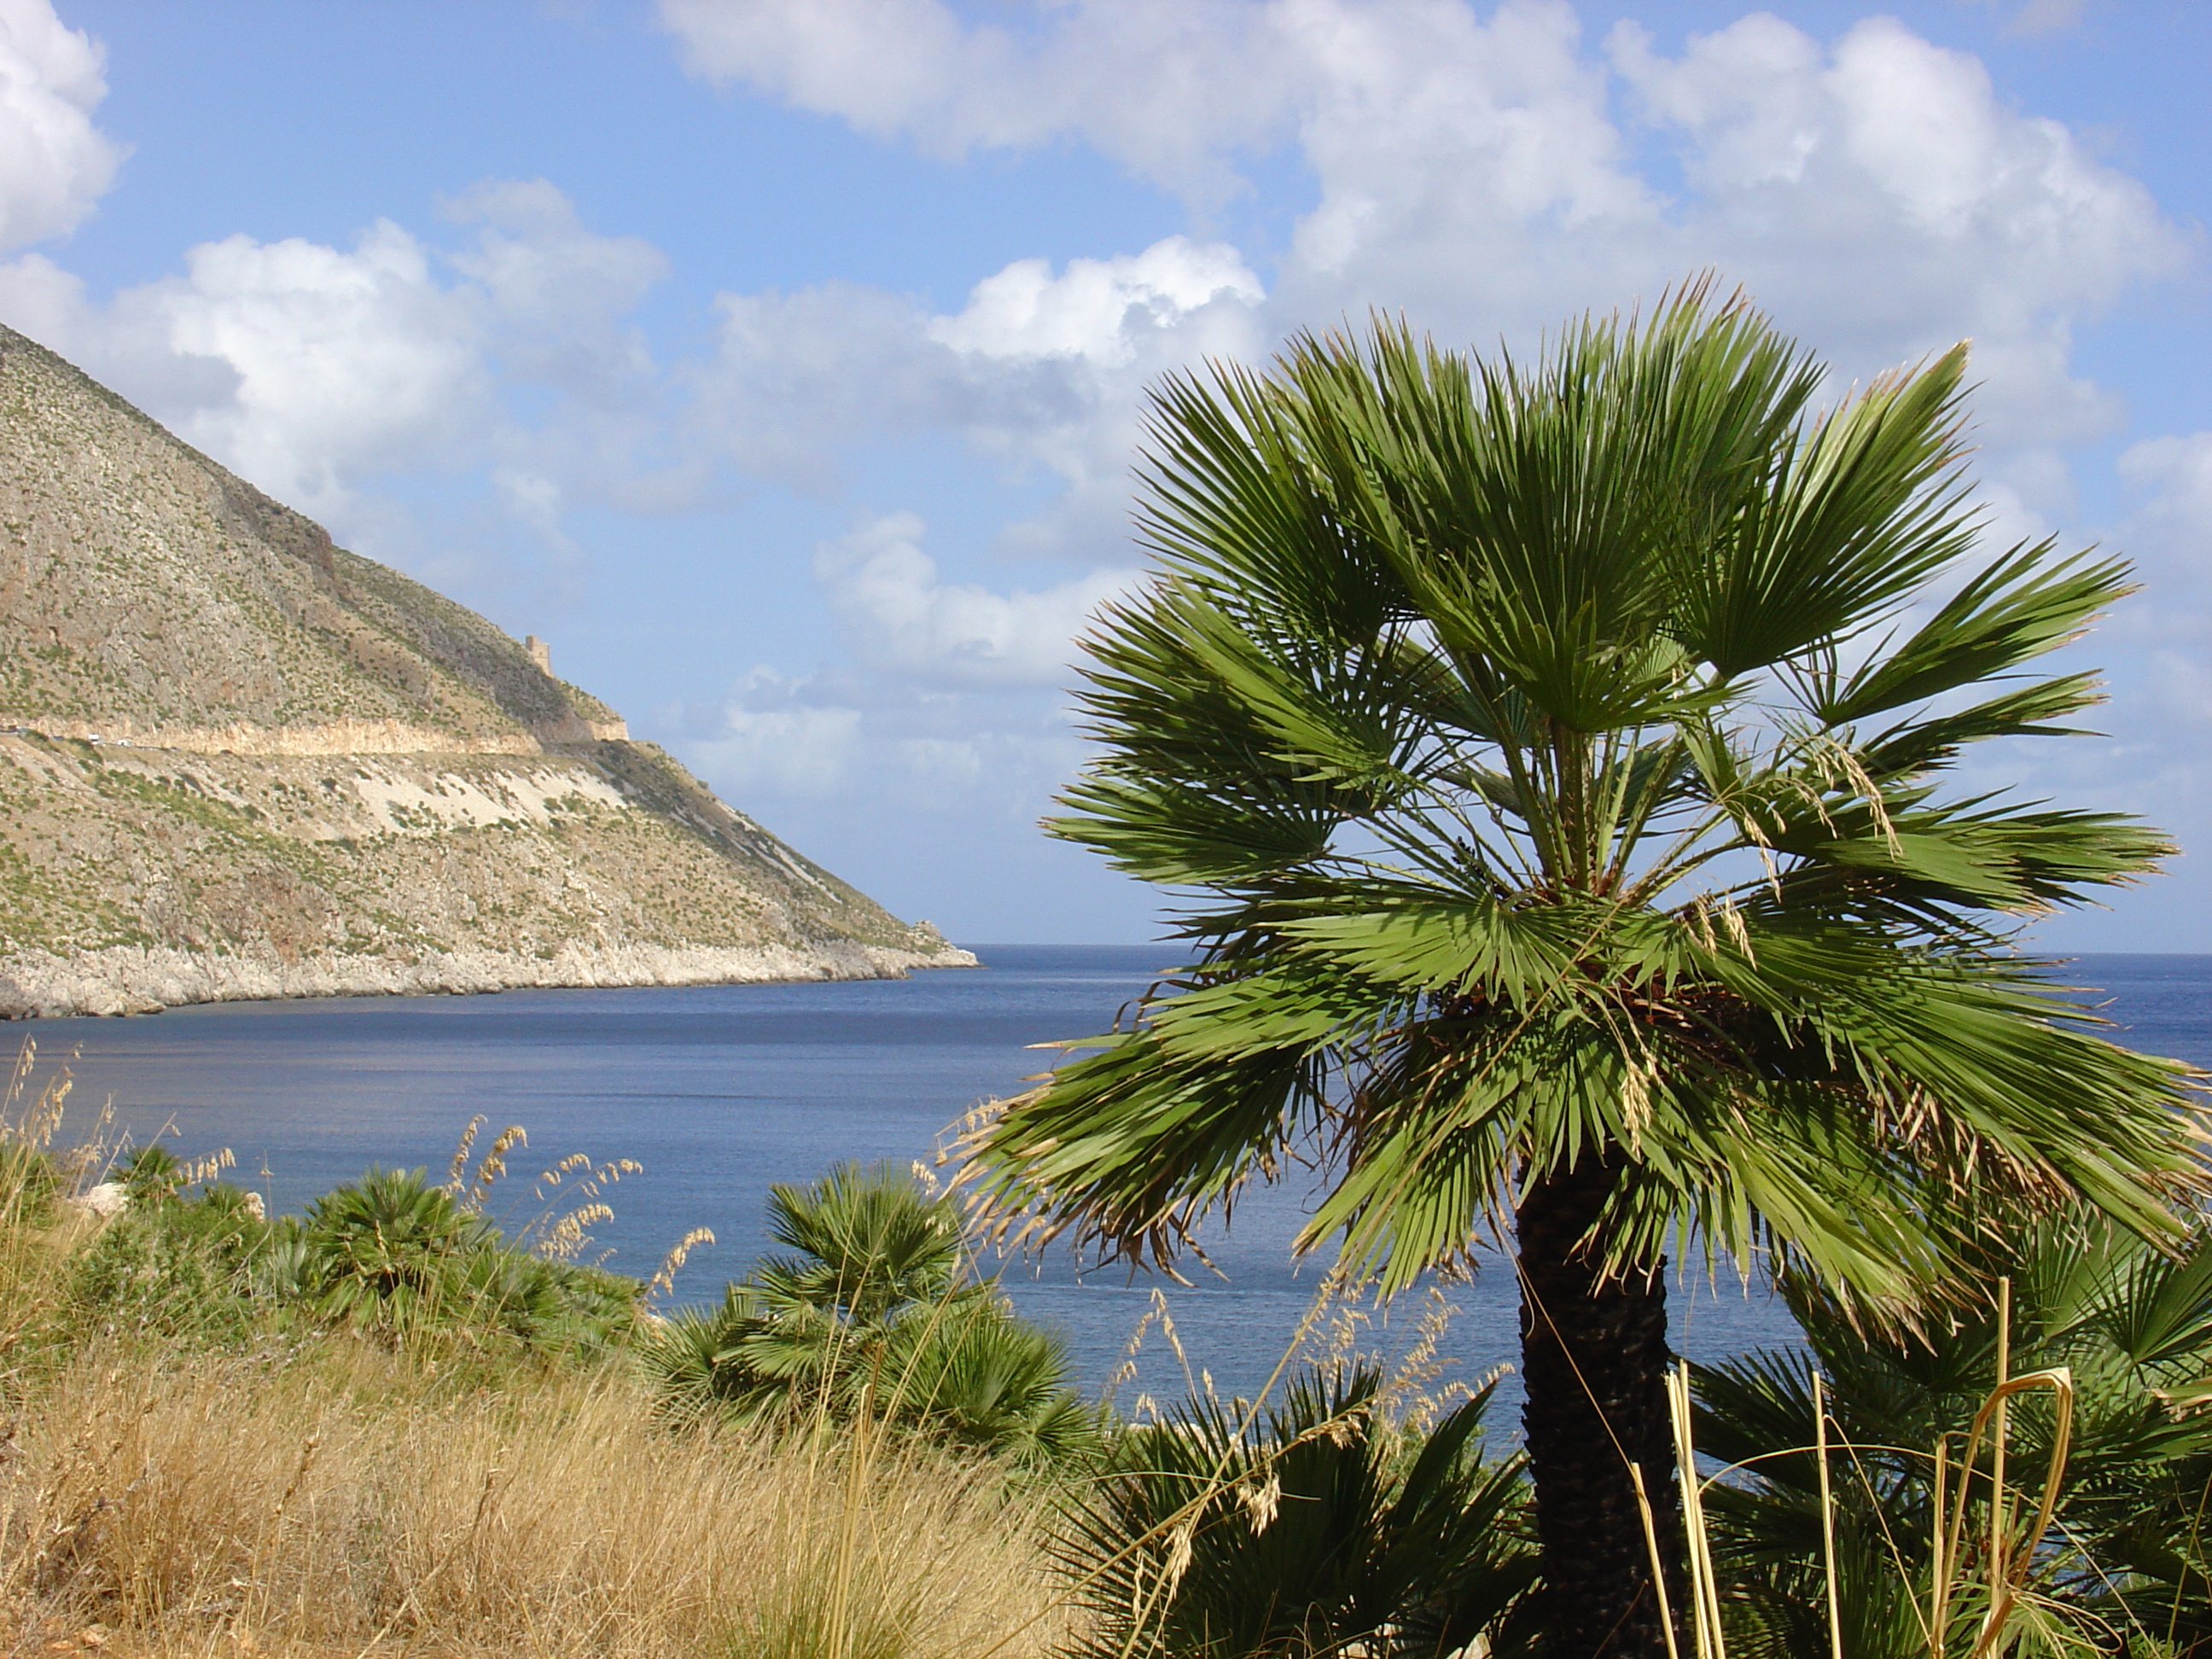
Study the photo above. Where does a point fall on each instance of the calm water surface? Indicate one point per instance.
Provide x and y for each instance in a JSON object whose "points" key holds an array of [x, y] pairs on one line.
{"points": [[718, 1090]]}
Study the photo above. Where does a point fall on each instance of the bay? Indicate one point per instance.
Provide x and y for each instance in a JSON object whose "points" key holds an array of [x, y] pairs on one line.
{"points": [[717, 1091]]}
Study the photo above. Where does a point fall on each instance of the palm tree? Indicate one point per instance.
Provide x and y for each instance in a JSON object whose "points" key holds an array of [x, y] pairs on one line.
{"points": [[1549, 758]]}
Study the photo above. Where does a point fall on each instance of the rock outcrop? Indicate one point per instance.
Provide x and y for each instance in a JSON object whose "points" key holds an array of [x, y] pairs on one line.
{"points": [[237, 761]]}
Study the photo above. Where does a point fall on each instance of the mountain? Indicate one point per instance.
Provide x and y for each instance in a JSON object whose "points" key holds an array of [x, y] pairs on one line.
{"points": [[237, 761]]}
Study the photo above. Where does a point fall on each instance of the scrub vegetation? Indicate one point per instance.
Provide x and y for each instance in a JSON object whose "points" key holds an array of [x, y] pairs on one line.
{"points": [[382, 1426]]}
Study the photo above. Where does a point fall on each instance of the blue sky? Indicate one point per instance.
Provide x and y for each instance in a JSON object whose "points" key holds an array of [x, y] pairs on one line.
{"points": [[779, 359]]}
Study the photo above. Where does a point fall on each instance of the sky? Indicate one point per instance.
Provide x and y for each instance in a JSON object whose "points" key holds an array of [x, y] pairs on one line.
{"points": [[782, 362]]}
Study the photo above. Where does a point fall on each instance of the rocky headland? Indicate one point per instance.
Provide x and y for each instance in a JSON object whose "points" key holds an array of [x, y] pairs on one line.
{"points": [[237, 762]]}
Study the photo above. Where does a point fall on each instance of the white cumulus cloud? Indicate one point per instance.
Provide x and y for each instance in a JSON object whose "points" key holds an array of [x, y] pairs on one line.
{"points": [[946, 703], [1105, 310], [299, 365], [902, 616], [779, 741], [314, 370], [54, 162], [1882, 194], [1141, 79], [2168, 535], [1487, 171], [2175, 472], [558, 294], [768, 738], [1040, 369], [348, 360]]}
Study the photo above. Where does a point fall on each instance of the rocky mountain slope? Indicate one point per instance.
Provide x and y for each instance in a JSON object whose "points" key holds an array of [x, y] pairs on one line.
{"points": [[236, 761]]}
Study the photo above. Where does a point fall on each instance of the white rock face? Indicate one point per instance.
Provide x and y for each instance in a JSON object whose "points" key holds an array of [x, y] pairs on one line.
{"points": [[131, 980], [110, 1198]]}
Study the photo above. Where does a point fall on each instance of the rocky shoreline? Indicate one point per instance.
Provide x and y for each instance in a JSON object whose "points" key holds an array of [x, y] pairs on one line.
{"points": [[133, 979]]}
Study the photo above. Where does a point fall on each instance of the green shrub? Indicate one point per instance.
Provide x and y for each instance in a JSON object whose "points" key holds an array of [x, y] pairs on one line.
{"points": [[541, 1305], [149, 1174], [869, 1313], [2127, 1566], [385, 1251], [972, 1371], [389, 1255], [1326, 1531], [179, 1269], [393, 1255]]}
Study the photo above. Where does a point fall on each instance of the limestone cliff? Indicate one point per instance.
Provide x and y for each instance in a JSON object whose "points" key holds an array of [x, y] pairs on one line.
{"points": [[237, 761]]}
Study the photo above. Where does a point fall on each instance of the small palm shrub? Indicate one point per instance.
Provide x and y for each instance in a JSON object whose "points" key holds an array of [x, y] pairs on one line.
{"points": [[393, 1255], [973, 1371], [386, 1250], [149, 1173], [544, 1304], [1326, 1531], [2127, 1564], [869, 1315]]}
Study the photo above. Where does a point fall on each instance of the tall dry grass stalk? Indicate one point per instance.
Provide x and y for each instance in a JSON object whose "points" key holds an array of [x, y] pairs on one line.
{"points": [[2007, 1559], [30, 1119], [337, 1505]]}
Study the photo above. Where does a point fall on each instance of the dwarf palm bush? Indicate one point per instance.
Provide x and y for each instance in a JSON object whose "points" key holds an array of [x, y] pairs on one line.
{"points": [[149, 1173], [869, 1313], [974, 1372], [395, 1254], [1326, 1528], [385, 1249], [2127, 1566]]}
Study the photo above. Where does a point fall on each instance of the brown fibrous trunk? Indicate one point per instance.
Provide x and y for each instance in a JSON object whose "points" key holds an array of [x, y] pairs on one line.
{"points": [[1594, 1362]]}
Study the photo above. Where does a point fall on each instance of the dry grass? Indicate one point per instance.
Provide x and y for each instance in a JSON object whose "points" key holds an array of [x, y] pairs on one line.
{"points": [[335, 1504], [327, 1495]]}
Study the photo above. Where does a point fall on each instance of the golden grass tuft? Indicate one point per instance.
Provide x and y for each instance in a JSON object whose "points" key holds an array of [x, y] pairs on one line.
{"points": [[330, 1495], [340, 1501], [663, 1282]]}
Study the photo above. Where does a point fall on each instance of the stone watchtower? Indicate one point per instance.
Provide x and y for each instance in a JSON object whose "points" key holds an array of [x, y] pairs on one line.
{"points": [[540, 652]]}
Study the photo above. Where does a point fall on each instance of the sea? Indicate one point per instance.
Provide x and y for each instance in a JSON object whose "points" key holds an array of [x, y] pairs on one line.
{"points": [[715, 1093]]}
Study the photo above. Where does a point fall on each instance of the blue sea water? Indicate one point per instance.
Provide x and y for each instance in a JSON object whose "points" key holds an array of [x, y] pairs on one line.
{"points": [[718, 1090]]}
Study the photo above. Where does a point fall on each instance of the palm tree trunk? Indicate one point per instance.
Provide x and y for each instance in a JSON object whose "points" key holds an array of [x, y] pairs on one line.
{"points": [[1593, 1358]]}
